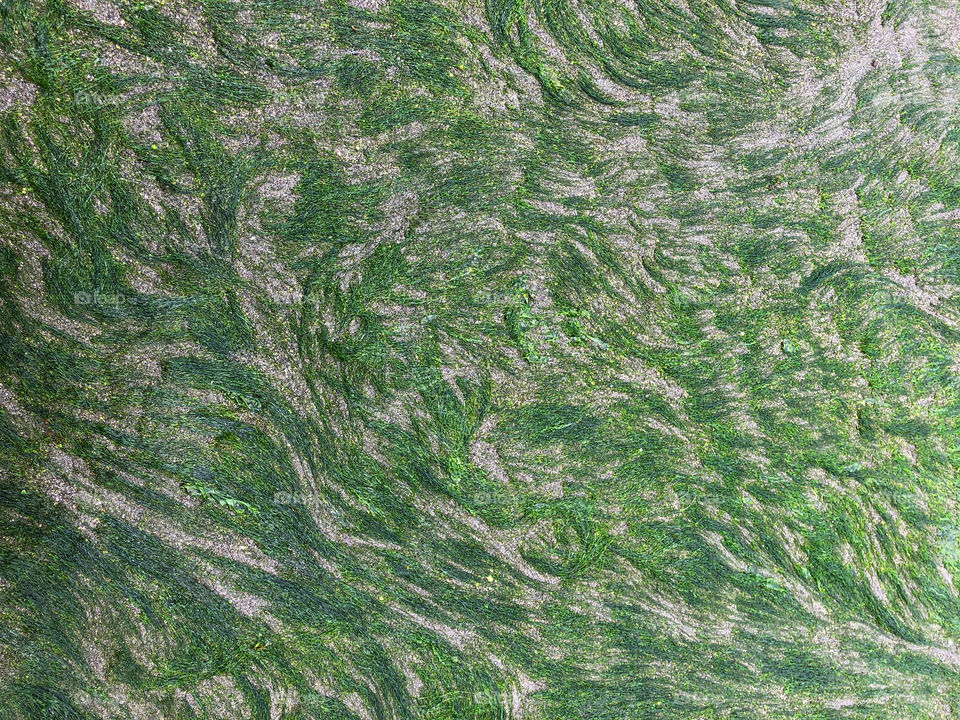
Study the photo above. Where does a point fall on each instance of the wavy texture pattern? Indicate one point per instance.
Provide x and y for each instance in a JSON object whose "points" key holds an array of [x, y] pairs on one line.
{"points": [[541, 358]]}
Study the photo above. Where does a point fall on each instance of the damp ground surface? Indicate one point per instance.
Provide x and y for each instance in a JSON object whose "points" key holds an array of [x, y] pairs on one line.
{"points": [[554, 359]]}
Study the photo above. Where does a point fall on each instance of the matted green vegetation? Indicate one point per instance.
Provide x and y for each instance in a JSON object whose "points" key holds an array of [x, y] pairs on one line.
{"points": [[457, 360]]}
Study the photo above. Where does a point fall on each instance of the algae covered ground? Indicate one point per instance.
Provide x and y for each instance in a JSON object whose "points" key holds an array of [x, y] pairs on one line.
{"points": [[462, 360]]}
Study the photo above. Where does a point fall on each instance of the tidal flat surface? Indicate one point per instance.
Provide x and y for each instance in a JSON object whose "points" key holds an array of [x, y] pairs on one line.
{"points": [[461, 360]]}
